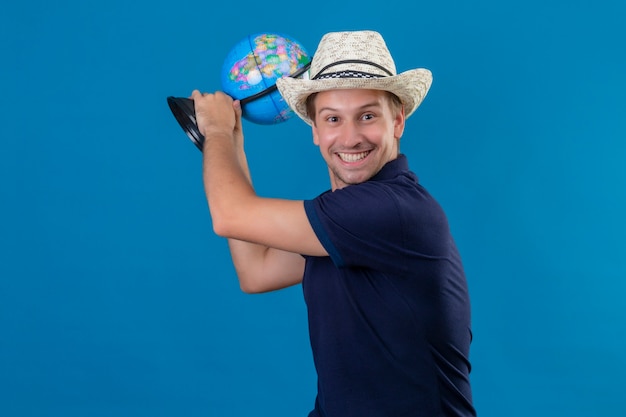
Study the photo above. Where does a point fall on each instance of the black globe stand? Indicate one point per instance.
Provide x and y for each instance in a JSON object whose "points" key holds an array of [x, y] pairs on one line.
{"points": [[185, 114]]}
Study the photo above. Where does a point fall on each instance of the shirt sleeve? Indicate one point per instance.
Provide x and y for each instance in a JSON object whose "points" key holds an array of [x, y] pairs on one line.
{"points": [[377, 226]]}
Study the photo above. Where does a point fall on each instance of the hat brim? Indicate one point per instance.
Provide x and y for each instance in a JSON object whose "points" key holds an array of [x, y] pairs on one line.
{"points": [[410, 86]]}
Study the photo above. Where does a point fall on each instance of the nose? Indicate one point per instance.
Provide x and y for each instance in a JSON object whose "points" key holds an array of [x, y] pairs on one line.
{"points": [[351, 135]]}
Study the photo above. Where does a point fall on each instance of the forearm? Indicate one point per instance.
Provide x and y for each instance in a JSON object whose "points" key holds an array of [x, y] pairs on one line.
{"points": [[247, 259], [227, 181], [262, 269]]}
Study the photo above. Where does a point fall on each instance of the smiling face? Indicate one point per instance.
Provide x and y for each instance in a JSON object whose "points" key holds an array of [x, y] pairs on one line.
{"points": [[357, 132]]}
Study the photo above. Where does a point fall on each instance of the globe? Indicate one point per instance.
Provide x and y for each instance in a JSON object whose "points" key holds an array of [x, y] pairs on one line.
{"points": [[250, 71]]}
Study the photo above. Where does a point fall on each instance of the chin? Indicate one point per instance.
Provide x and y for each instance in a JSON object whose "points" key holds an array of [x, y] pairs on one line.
{"points": [[353, 179]]}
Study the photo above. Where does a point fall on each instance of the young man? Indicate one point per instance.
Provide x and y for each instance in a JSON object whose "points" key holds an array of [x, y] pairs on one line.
{"points": [[387, 299]]}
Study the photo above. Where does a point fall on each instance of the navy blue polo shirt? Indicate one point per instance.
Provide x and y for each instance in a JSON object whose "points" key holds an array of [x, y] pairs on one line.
{"points": [[389, 312]]}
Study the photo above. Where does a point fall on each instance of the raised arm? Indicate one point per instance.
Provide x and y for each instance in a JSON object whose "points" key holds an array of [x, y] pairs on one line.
{"points": [[266, 236]]}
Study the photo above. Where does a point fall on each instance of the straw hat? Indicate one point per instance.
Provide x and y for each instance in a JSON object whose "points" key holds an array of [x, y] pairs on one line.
{"points": [[359, 59]]}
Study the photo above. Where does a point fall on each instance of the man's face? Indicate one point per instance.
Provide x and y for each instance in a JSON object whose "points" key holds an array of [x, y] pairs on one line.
{"points": [[357, 133]]}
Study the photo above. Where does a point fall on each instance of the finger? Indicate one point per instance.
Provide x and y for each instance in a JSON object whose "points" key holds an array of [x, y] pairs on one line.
{"points": [[238, 112], [237, 107]]}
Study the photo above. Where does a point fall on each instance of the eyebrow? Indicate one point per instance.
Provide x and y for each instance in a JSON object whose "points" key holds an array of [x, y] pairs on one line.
{"points": [[363, 107]]}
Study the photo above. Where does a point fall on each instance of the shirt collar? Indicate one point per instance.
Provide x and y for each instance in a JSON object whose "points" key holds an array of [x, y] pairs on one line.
{"points": [[392, 169]]}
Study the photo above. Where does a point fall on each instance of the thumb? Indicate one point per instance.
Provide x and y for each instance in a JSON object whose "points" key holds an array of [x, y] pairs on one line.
{"points": [[238, 112]]}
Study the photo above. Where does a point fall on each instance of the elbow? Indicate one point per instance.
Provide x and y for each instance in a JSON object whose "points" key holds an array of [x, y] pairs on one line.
{"points": [[250, 282], [222, 225], [219, 228], [226, 222], [248, 287]]}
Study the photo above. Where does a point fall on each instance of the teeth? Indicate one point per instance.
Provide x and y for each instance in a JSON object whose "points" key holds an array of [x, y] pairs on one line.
{"points": [[352, 157]]}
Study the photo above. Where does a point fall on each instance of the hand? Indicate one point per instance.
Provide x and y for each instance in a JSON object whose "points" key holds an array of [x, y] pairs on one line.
{"points": [[217, 114]]}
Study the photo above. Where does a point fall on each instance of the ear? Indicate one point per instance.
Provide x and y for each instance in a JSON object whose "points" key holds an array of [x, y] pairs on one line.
{"points": [[398, 124]]}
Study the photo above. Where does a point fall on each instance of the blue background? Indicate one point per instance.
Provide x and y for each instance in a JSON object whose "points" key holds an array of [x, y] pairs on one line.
{"points": [[116, 299]]}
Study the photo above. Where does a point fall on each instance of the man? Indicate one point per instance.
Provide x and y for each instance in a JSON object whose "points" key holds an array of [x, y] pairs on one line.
{"points": [[388, 306]]}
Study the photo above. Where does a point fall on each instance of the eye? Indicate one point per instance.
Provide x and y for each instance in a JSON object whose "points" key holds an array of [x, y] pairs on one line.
{"points": [[332, 119], [368, 116]]}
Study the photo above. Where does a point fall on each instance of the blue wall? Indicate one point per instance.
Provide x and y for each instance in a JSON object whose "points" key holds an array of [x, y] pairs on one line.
{"points": [[117, 300]]}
